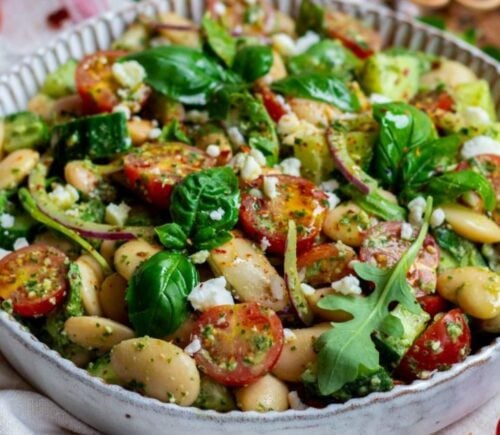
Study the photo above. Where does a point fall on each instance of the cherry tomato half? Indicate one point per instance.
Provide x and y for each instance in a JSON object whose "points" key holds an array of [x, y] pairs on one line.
{"points": [[384, 245], [296, 198], [239, 343], [153, 169], [34, 279], [276, 108], [445, 342], [433, 304]]}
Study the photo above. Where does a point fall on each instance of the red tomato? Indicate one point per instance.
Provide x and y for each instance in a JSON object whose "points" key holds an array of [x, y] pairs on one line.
{"points": [[296, 198], [383, 245], [433, 304], [153, 169], [272, 103], [34, 279], [354, 35], [325, 263], [445, 342], [239, 343]]}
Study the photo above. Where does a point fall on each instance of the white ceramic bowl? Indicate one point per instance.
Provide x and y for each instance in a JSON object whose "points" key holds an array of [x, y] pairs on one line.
{"points": [[420, 408]]}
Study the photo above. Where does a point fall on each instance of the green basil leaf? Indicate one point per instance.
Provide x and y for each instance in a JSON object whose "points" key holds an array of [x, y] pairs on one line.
{"points": [[461, 250], [253, 61], [172, 132], [450, 186], [311, 17], [157, 293], [319, 87], [172, 236], [219, 40], [402, 127]]}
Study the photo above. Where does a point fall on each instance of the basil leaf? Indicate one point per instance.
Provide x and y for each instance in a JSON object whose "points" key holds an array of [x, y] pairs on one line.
{"points": [[204, 207], [219, 40], [461, 250], [181, 73], [310, 17], [450, 186], [319, 87], [253, 61], [402, 127], [325, 57], [172, 132], [157, 293]]}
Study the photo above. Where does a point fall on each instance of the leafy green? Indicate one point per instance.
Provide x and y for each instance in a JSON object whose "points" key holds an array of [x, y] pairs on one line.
{"points": [[461, 250], [425, 60], [219, 40], [61, 82], [253, 61], [348, 348], [73, 306], [204, 207], [493, 51], [102, 368], [172, 132], [320, 87], [157, 293], [214, 396], [23, 130], [311, 17], [434, 21]]}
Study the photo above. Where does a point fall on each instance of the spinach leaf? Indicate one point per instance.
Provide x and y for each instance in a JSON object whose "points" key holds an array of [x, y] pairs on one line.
{"points": [[219, 40], [402, 127], [181, 73], [450, 186], [348, 348], [157, 293], [461, 250], [311, 17], [204, 207], [172, 132], [325, 57], [253, 61], [319, 87]]}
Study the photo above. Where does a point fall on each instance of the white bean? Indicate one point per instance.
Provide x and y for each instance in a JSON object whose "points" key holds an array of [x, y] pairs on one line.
{"points": [[81, 177], [91, 280], [346, 223], [16, 167], [266, 394], [112, 297], [130, 255]]}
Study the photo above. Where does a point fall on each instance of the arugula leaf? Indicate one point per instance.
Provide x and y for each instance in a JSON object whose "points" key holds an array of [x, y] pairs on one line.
{"points": [[253, 61], [172, 132], [450, 186], [461, 250], [311, 17], [194, 203], [402, 127], [219, 40], [157, 293], [348, 347], [319, 87]]}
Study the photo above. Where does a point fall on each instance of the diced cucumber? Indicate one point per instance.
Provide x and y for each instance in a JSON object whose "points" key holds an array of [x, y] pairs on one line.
{"points": [[102, 368], [24, 130], [460, 251], [23, 227], [214, 396], [61, 82]]}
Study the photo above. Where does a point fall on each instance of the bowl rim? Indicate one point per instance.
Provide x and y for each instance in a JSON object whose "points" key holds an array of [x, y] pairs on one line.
{"points": [[22, 335]]}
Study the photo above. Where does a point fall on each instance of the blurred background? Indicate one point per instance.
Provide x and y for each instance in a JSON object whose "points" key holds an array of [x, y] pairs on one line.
{"points": [[26, 25]]}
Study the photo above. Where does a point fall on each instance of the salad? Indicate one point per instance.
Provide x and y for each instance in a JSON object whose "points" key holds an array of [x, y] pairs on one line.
{"points": [[253, 212]]}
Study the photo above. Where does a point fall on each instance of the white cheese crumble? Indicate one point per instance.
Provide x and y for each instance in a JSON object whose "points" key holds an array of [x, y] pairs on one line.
{"points": [[117, 214], [379, 99], [64, 196], [329, 185], [289, 335], [480, 145], [264, 244], [210, 293], [291, 166], [251, 169], [219, 8], [193, 347], [283, 44], [200, 257], [307, 41], [295, 402], [217, 215], [129, 74], [333, 200], [20, 243], [406, 231], [277, 286], [7, 220], [417, 208], [154, 133], [474, 115], [307, 289], [258, 156], [349, 285], [290, 128], [4, 253], [437, 218], [400, 121], [123, 109], [269, 187], [236, 136], [213, 150], [197, 116]]}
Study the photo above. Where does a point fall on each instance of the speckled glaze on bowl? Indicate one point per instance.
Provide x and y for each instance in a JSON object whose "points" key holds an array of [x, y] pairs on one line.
{"points": [[420, 408]]}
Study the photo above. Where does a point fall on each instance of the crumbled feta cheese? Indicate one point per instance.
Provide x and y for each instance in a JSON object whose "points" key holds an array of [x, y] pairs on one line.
{"points": [[480, 145], [406, 231], [290, 128], [193, 347], [197, 116], [307, 289], [210, 293], [295, 402], [417, 208], [124, 109], [307, 41], [219, 8], [256, 193], [437, 218], [281, 100], [4, 253], [476, 116], [236, 136], [288, 335], [129, 74], [277, 286], [269, 187], [20, 243], [200, 257], [64, 196], [251, 169], [379, 99], [333, 200], [117, 214], [213, 150], [291, 166], [329, 185], [154, 133], [7, 220], [400, 121], [216, 215], [284, 44], [258, 156], [264, 244], [349, 285]]}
